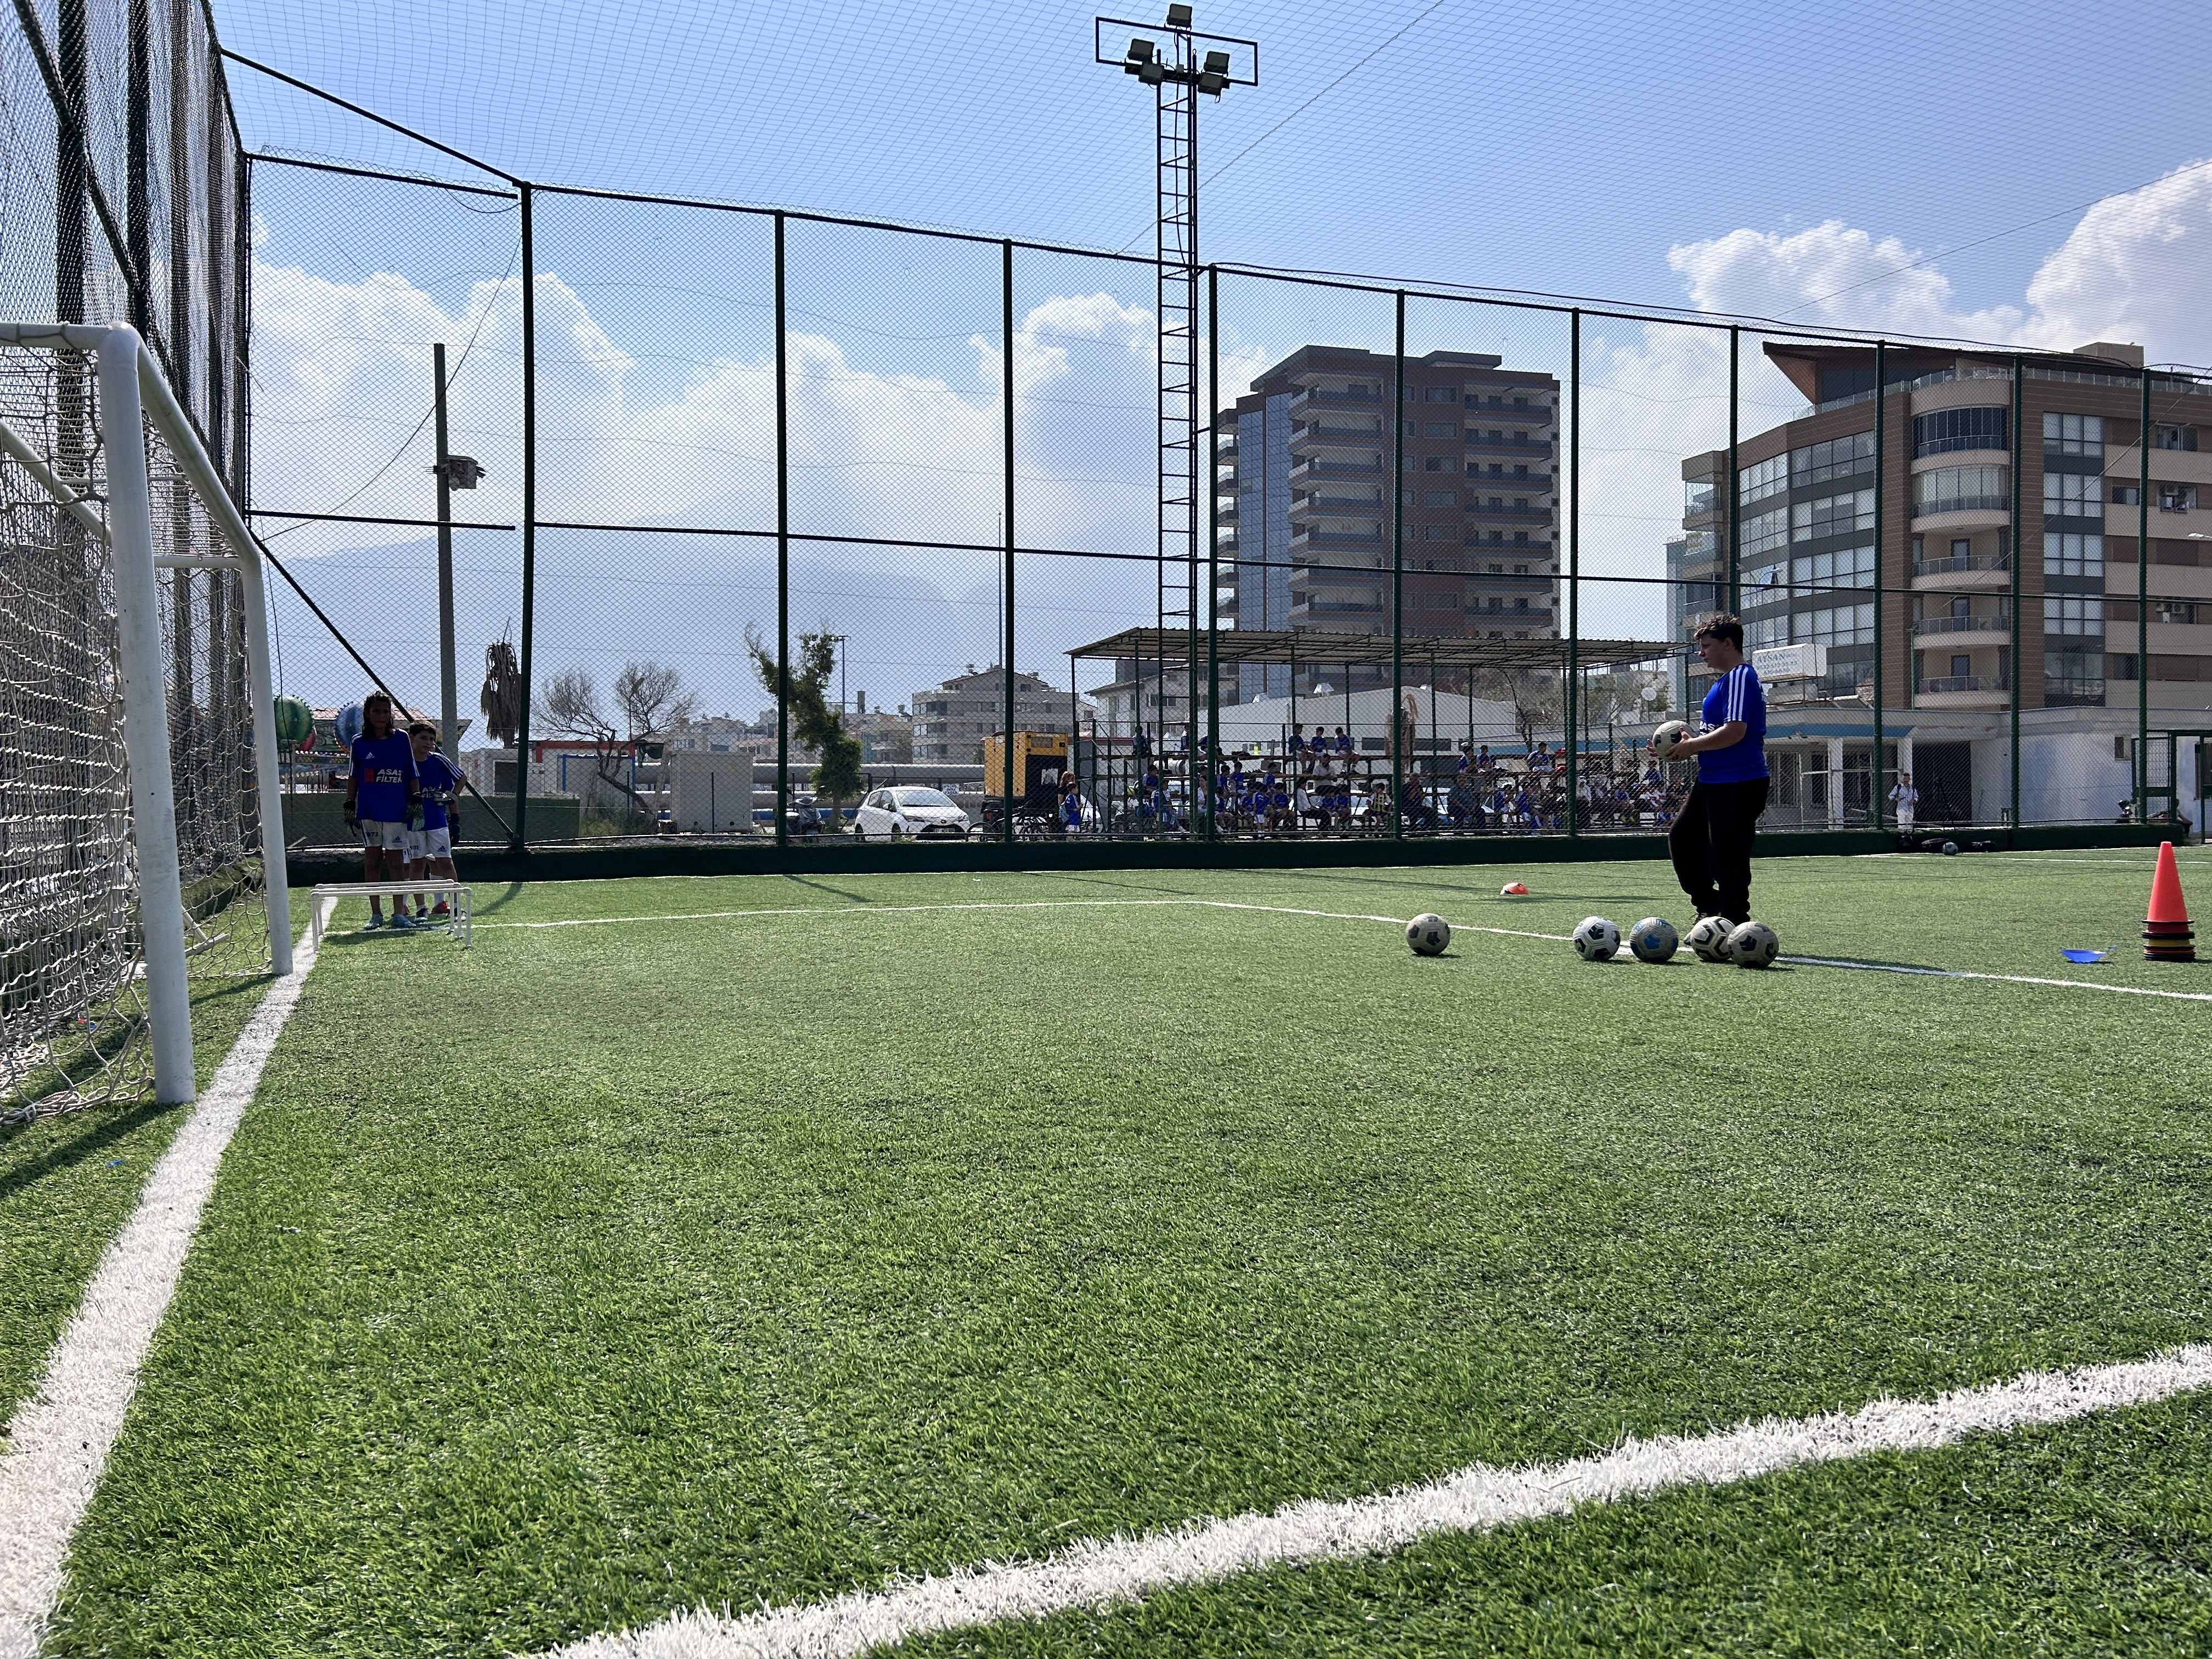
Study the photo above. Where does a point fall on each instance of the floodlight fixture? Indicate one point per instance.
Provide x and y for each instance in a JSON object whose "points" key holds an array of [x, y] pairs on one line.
{"points": [[1140, 50], [1152, 73], [1178, 17], [1217, 63], [1209, 83]]}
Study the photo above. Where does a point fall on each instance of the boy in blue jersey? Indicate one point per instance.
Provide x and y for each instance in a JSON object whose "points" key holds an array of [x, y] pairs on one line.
{"points": [[379, 794], [428, 841], [1711, 840]]}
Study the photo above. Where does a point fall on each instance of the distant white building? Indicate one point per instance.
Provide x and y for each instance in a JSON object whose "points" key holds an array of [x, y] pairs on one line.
{"points": [[952, 720]]}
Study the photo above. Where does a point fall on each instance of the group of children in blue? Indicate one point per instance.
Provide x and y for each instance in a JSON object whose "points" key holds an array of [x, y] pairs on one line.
{"points": [[1313, 785], [400, 796]]}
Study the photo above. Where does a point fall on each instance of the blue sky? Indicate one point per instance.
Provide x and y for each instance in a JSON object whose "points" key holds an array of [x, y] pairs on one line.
{"points": [[1907, 167]]}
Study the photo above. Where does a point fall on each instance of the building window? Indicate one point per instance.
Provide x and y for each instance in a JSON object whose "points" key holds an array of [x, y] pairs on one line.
{"points": [[2073, 494], [1832, 515], [1948, 430], [1434, 463], [2176, 497], [1839, 457], [1441, 532], [1961, 489], [2073, 434], [1440, 429], [1816, 572], [1442, 498], [1521, 538], [1520, 503], [2073, 678], [2177, 437], [1845, 624], [1767, 479], [1699, 495], [2127, 495], [1767, 531], [1441, 394], [2072, 556], [2068, 613], [2175, 610]]}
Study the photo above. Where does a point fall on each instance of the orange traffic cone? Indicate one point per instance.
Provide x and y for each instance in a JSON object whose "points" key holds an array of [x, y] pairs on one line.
{"points": [[2167, 936]]}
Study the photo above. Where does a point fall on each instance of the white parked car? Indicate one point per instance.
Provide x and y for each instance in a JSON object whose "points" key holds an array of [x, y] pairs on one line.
{"points": [[909, 810]]}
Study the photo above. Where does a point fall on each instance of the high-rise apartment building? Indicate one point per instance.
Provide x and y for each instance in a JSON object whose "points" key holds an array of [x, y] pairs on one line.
{"points": [[1304, 476], [1806, 503]]}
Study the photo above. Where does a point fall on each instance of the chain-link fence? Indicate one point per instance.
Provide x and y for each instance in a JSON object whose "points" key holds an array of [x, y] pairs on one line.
{"points": [[741, 450]]}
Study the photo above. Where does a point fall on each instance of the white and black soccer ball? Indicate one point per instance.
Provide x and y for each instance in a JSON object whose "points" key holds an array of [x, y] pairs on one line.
{"points": [[1753, 945], [1664, 740], [1654, 939], [1597, 939], [1428, 935], [1708, 935]]}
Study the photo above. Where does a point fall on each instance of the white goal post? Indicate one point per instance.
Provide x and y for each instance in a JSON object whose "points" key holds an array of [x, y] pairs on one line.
{"points": [[135, 407]]}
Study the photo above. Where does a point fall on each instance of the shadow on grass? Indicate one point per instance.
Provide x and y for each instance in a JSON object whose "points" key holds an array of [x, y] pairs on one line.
{"points": [[824, 887], [513, 891], [101, 1132]]}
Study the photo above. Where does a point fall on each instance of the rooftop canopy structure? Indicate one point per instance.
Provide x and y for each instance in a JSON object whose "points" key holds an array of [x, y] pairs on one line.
{"points": [[1237, 644]]}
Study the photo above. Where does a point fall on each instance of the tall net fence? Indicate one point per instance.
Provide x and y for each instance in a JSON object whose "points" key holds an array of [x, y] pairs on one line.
{"points": [[72, 1021], [783, 514]]}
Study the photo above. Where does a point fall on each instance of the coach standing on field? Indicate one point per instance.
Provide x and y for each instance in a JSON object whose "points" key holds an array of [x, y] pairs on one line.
{"points": [[1711, 842]]}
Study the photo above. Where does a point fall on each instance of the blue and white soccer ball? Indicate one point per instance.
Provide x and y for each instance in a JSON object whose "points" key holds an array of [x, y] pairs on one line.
{"points": [[1428, 934], [1597, 939], [1753, 945], [348, 724], [1708, 936], [1654, 939]]}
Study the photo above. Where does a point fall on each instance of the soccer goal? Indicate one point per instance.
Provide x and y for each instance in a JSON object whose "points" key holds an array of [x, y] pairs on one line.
{"points": [[141, 826]]}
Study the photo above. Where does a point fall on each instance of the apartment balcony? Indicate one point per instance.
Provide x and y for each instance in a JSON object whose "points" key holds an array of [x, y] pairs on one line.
{"points": [[1964, 633], [1980, 572], [1490, 582], [1310, 439], [1310, 471], [1536, 449], [1303, 539], [1366, 505], [1531, 514], [1319, 398], [1962, 691]]}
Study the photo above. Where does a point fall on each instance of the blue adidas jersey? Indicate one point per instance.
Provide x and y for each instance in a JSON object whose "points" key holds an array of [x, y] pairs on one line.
{"points": [[1735, 696], [385, 770], [436, 773]]}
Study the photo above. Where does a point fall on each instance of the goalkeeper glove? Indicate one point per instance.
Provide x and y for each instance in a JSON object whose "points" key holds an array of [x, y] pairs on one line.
{"points": [[415, 813]]}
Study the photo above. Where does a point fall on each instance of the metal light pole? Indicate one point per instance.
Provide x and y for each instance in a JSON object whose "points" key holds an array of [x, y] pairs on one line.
{"points": [[455, 472], [1179, 64]]}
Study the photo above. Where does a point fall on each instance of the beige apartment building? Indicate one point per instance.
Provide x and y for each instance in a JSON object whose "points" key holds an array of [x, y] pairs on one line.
{"points": [[1809, 560]]}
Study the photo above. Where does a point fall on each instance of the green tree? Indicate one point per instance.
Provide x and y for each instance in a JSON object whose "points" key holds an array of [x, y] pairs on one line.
{"points": [[814, 722]]}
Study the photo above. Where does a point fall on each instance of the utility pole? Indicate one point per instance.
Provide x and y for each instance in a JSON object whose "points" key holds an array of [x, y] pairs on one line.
{"points": [[453, 472]]}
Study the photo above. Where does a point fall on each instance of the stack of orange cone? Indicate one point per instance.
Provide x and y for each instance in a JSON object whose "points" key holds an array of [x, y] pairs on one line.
{"points": [[2167, 933]]}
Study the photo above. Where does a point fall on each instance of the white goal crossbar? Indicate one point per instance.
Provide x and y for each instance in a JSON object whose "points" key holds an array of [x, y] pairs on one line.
{"points": [[132, 393]]}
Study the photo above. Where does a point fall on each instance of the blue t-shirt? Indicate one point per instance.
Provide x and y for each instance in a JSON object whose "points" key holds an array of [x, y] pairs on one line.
{"points": [[436, 773], [1735, 696], [383, 768]]}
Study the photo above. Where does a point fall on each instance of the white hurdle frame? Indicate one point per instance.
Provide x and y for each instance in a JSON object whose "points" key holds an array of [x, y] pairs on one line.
{"points": [[130, 386]]}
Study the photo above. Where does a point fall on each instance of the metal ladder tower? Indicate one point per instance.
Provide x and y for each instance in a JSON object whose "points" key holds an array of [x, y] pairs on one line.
{"points": [[1169, 59], [1182, 474]]}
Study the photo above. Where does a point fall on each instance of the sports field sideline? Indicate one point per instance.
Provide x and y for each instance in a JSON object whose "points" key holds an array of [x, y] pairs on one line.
{"points": [[744, 1244]]}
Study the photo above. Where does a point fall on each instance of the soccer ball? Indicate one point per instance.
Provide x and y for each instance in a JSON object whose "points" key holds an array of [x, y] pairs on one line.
{"points": [[1428, 935], [1753, 945], [1707, 935], [1654, 939], [1950, 849], [1597, 939], [1664, 740]]}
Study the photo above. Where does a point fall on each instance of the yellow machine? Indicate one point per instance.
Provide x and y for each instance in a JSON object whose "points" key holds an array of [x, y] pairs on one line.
{"points": [[1039, 759]]}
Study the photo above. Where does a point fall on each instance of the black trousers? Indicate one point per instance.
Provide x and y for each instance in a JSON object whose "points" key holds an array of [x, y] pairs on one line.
{"points": [[1710, 845]]}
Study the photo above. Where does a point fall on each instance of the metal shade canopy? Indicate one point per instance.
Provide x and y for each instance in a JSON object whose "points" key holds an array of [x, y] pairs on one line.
{"points": [[1257, 645]]}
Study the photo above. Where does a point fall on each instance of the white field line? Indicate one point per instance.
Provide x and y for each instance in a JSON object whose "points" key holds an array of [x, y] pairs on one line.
{"points": [[1335, 916], [1102, 1573], [58, 1442]]}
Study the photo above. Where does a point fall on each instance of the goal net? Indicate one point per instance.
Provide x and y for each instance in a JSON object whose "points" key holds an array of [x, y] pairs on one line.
{"points": [[132, 851]]}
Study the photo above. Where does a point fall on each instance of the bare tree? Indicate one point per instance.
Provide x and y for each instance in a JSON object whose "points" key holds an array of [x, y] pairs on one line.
{"points": [[649, 701]]}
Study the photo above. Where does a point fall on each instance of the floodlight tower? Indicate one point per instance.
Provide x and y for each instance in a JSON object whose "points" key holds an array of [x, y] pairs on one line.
{"points": [[1179, 64]]}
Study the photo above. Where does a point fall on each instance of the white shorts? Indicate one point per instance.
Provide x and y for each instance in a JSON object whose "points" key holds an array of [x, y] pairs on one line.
{"points": [[379, 832], [423, 844]]}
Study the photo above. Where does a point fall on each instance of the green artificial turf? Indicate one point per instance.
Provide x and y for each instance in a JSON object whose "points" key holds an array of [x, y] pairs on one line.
{"points": [[68, 1183], [602, 1270]]}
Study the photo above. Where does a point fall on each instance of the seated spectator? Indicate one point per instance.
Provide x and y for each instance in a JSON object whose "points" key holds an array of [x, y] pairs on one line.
{"points": [[1464, 811]]}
